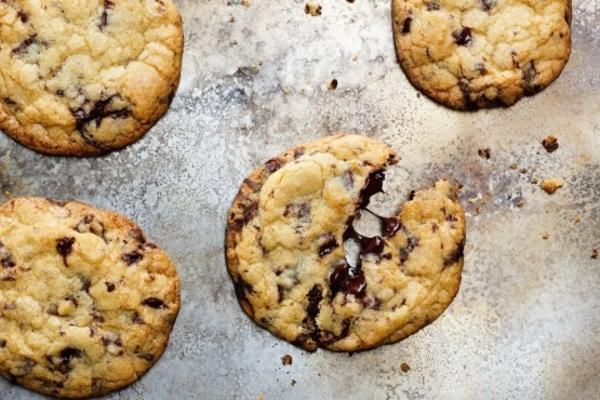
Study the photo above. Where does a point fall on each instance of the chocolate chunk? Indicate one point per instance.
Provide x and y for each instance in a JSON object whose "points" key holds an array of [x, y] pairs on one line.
{"points": [[484, 153], [132, 258], [108, 5], [390, 226], [463, 37], [64, 247], [97, 112], [85, 284], [6, 259], [328, 246], [90, 224], [2, 343], [550, 143], [274, 164], [300, 211], [432, 5], [333, 84], [138, 235], [63, 360], [347, 280], [9, 102], [315, 295], [23, 16], [136, 319], [110, 287], [24, 45], [529, 74], [406, 25], [455, 256], [146, 356], [372, 245], [480, 67], [373, 185], [406, 250], [286, 360], [487, 4], [280, 293], [154, 303], [248, 210]]}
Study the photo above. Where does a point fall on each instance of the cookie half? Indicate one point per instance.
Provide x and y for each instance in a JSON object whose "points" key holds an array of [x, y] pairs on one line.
{"points": [[481, 53], [85, 78], [285, 247], [87, 304]]}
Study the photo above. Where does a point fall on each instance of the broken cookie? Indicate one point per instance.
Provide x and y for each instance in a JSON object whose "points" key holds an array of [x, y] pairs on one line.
{"points": [[287, 235]]}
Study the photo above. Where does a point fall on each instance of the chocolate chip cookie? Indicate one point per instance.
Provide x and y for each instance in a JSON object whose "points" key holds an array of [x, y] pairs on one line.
{"points": [[482, 53], [87, 303], [289, 237], [85, 78]]}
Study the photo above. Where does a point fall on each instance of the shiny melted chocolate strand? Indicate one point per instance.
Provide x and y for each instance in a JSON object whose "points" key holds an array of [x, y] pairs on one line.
{"points": [[347, 279]]}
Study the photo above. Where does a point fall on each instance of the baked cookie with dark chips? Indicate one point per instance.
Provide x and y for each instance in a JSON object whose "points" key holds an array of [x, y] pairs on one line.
{"points": [[482, 53], [86, 78], [285, 248], [87, 303]]}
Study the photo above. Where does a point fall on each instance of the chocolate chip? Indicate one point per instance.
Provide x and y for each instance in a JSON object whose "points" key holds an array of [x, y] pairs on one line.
{"points": [[550, 143], [154, 303], [97, 112], [432, 5], [372, 245], [487, 4], [146, 356], [529, 74], [108, 5], [280, 293], [9, 102], [328, 246], [64, 247], [333, 84], [73, 300], [24, 45], [136, 319], [390, 226], [463, 37], [110, 287], [85, 284], [455, 256], [315, 295], [63, 360], [132, 258], [406, 250], [406, 25], [299, 211], [273, 165], [484, 153], [373, 185], [480, 67], [6, 259], [2, 343], [90, 224], [23, 16], [347, 280]]}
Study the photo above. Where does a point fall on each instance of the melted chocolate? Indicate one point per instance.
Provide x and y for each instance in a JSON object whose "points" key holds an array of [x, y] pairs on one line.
{"points": [[347, 280], [373, 185], [390, 226], [329, 245], [154, 303], [64, 247]]}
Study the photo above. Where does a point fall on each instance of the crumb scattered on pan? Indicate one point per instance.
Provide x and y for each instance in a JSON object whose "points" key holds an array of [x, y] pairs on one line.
{"points": [[546, 236], [594, 254], [578, 218], [404, 367], [485, 153], [550, 143], [551, 185], [313, 9], [261, 397], [514, 166], [534, 180], [350, 1], [293, 382], [287, 360], [7, 193], [247, 3], [523, 170], [333, 84]]}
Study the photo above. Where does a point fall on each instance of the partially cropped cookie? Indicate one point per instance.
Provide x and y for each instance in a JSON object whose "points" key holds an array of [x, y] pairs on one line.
{"points": [[286, 238], [86, 302], [84, 78], [482, 53]]}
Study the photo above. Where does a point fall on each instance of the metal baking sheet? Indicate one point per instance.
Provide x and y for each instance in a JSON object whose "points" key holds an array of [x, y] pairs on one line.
{"points": [[526, 322]]}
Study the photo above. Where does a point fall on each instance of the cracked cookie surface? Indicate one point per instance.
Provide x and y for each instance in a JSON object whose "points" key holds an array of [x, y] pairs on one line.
{"points": [[87, 304], [481, 53], [87, 77], [285, 248]]}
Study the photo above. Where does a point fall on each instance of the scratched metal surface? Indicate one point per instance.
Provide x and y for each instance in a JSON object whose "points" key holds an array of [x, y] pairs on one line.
{"points": [[526, 322]]}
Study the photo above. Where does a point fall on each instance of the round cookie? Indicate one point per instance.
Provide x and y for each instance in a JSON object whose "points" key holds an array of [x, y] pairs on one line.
{"points": [[482, 53], [285, 240], [86, 302], [84, 78]]}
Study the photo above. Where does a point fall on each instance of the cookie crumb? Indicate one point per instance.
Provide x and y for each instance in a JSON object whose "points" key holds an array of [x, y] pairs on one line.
{"points": [[293, 382], [551, 185], [546, 236], [404, 367], [313, 9], [594, 254], [485, 153], [247, 3], [550, 143], [514, 166], [333, 84], [287, 360], [578, 218], [523, 170]]}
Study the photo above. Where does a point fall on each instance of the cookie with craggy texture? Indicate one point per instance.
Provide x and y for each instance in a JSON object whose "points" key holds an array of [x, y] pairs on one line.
{"points": [[83, 78], [87, 304], [285, 240], [482, 53]]}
